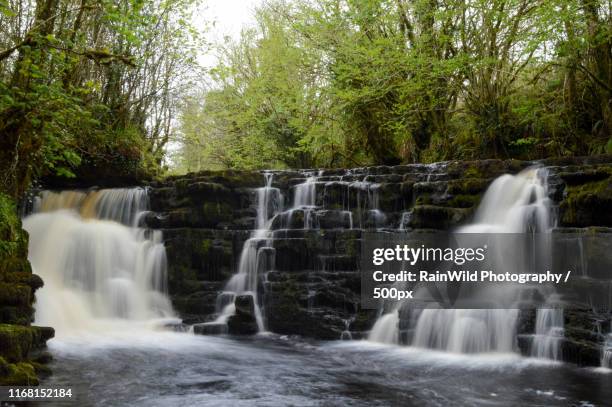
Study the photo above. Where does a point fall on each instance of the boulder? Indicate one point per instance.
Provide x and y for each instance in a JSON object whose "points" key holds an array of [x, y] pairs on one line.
{"points": [[243, 322]]}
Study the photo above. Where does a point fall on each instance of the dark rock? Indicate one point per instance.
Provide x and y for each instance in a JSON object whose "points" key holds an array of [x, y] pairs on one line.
{"points": [[312, 283], [437, 217], [334, 219], [243, 322], [210, 328], [587, 204]]}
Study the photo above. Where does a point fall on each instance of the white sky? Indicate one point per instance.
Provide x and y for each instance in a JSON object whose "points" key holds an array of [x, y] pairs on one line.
{"points": [[229, 16]]}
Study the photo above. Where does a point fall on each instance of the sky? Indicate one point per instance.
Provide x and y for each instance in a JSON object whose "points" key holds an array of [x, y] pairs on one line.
{"points": [[229, 16]]}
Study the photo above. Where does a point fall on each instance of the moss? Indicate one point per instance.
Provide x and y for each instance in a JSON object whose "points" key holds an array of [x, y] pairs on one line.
{"points": [[22, 274], [206, 245], [587, 204], [15, 342], [14, 265], [9, 222], [15, 294], [467, 186], [13, 239], [240, 179], [17, 284], [18, 374], [580, 175], [463, 201], [473, 172]]}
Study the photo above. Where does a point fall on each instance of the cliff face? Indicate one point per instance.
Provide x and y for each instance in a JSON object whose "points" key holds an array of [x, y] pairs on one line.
{"points": [[313, 286], [21, 345]]}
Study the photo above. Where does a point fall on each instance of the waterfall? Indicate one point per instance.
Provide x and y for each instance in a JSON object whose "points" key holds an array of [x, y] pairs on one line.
{"points": [[305, 193], [606, 357], [245, 281], [100, 270], [548, 334], [386, 328], [405, 220], [511, 204], [304, 200]]}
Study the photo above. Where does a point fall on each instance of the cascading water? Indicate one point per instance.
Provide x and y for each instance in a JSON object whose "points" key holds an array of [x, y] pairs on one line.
{"points": [[548, 334], [245, 281], [512, 204], [606, 354], [100, 270], [304, 203]]}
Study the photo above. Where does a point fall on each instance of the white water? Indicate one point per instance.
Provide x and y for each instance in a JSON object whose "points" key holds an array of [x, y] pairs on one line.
{"points": [[512, 204], [245, 281], [100, 275], [386, 328], [548, 334], [606, 357]]}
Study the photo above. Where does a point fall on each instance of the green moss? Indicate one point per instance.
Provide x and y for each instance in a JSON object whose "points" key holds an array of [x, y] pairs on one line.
{"points": [[463, 201], [17, 374], [13, 239], [588, 204], [467, 186], [15, 342], [473, 172], [13, 266], [206, 245], [15, 294], [9, 221]]}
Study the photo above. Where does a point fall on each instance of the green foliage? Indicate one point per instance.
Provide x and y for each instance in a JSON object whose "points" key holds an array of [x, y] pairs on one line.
{"points": [[345, 83], [89, 85]]}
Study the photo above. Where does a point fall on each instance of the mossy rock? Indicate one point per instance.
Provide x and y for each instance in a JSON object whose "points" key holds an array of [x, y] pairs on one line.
{"points": [[581, 175], [15, 265], [471, 186], [13, 239], [15, 342], [17, 374], [587, 204], [22, 274], [15, 294], [21, 315], [437, 217]]}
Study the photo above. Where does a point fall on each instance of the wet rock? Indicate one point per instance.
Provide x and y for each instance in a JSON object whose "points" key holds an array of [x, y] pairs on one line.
{"points": [[312, 284], [437, 217], [210, 328], [243, 322], [334, 219], [587, 204]]}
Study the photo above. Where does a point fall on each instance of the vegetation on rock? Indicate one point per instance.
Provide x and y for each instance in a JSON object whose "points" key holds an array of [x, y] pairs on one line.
{"points": [[19, 342]]}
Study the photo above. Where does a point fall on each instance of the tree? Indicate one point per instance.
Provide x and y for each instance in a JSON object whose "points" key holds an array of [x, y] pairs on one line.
{"points": [[89, 83]]}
